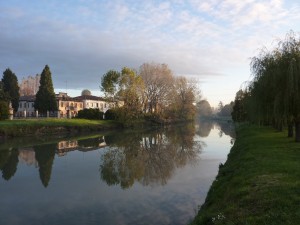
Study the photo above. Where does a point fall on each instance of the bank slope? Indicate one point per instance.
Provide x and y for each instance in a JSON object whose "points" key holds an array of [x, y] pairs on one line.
{"points": [[38, 127], [259, 183]]}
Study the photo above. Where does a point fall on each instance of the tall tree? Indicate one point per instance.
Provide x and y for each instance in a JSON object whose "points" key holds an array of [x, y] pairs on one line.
{"points": [[159, 80], [4, 102], [131, 91], [45, 97], [110, 83], [11, 88], [274, 93], [183, 98]]}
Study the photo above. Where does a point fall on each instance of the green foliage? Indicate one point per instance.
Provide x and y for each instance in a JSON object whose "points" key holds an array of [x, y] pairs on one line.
{"points": [[3, 95], [154, 90], [131, 92], [45, 97], [4, 110], [111, 114], [259, 183], [273, 96], [91, 114], [110, 83], [10, 88], [239, 112]]}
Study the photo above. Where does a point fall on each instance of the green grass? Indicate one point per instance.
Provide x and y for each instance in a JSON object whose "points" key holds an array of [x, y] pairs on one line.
{"points": [[259, 183], [52, 122], [16, 128]]}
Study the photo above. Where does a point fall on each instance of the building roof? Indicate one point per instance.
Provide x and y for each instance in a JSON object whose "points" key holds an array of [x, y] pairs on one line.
{"points": [[28, 98], [89, 97], [64, 97]]}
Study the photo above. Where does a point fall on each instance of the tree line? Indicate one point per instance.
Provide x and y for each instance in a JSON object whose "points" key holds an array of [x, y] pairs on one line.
{"points": [[152, 91], [10, 92], [272, 97]]}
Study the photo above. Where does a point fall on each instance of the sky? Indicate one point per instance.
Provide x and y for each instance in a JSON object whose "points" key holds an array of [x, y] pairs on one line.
{"points": [[211, 41]]}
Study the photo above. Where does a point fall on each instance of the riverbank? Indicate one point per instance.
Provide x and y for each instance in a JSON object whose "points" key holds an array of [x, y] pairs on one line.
{"points": [[259, 183], [54, 126], [38, 127]]}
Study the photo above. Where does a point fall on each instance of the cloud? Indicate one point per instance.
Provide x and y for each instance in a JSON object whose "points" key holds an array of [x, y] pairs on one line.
{"points": [[82, 42]]}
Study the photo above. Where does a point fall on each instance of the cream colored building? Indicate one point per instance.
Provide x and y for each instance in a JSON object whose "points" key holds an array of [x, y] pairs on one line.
{"points": [[68, 107], [26, 106]]}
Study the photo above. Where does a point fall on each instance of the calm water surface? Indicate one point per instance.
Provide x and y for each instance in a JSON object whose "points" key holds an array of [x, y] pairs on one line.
{"points": [[129, 177]]}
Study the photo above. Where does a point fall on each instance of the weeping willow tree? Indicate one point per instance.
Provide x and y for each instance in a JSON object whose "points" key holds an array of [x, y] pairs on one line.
{"points": [[273, 94]]}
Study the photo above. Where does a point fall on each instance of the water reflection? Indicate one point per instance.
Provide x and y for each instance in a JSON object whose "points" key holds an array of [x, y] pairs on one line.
{"points": [[225, 127], [8, 163], [42, 156], [126, 177], [204, 127], [149, 158], [146, 157]]}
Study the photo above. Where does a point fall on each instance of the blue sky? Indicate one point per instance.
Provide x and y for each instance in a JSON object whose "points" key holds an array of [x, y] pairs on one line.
{"points": [[210, 40]]}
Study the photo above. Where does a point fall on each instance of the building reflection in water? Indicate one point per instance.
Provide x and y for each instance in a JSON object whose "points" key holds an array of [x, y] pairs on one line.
{"points": [[148, 157]]}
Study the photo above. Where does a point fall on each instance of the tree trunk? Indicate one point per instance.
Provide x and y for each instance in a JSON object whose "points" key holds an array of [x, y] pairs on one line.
{"points": [[290, 129], [280, 126], [297, 131]]}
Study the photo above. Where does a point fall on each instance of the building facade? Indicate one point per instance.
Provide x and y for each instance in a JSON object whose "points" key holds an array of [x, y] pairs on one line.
{"points": [[68, 107], [26, 106]]}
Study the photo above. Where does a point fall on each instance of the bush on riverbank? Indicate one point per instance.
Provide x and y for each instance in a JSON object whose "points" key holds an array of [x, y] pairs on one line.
{"points": [[90, 114], [259, 183]]}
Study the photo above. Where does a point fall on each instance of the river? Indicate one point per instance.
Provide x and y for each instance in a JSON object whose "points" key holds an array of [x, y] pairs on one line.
{"points": [[155, 176]]}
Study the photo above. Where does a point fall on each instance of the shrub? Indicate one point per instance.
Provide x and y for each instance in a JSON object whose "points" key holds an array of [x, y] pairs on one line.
{"points": [[4, 110], [111, 114], [91, 114]]}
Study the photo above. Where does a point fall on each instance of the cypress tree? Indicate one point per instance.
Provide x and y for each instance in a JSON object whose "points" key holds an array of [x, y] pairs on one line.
{"points": [[11, 88], [45, 97]]}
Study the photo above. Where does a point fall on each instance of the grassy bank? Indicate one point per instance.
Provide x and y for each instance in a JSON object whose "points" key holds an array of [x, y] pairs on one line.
{"points": [[259, 183], [19, 128]]}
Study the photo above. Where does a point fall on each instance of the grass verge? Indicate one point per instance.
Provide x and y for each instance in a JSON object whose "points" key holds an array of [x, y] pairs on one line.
{"points": [[19, 128], [259, 183]]}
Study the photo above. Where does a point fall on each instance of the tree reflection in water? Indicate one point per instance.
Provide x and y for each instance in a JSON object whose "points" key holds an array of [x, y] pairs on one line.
{"points": [[8, 162], [44, 155], [149, 158], [205, 126]]}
